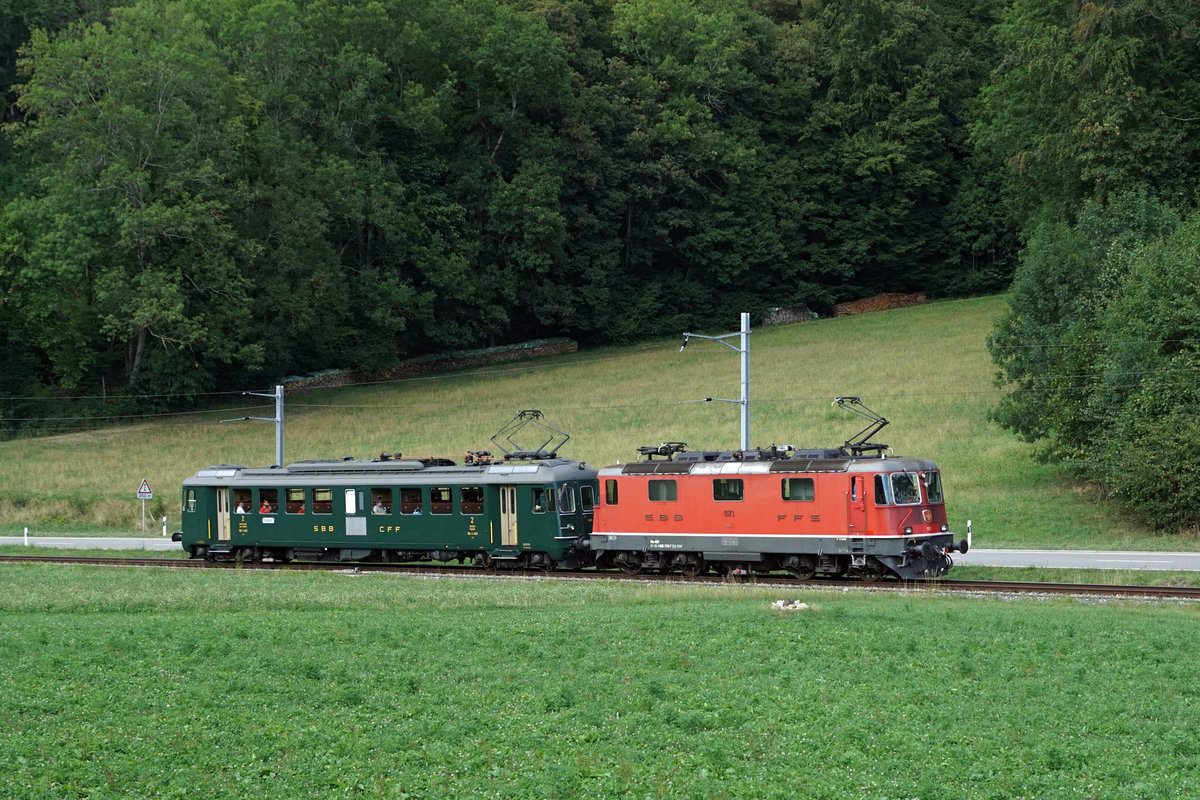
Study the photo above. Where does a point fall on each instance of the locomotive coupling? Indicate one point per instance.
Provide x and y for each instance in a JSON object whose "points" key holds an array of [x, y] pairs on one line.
{"points": [[960, 546]]}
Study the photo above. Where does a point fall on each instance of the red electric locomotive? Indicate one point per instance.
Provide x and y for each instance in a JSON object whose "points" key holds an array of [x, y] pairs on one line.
{"points": [[852, 510]]}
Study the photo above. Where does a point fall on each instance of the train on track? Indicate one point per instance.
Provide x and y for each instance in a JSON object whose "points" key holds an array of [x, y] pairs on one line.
{"points": [[852, 510]]}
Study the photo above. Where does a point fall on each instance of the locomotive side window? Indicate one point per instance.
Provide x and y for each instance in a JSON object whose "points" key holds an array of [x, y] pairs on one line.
{"points": [[322, 501], [472, 500], [566, 499], [664, 491], [295, 501], [268, 501], [727, 488], [881, 493], [189, 501], [610, 492], [905, 489], [381, 501], [440, 501], [410, 501], [587, 497], [933, 486], [798, 490]]}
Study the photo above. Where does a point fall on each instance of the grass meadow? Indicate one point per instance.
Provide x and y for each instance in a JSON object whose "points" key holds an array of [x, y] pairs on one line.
{"points": [[123, 683], [925, 368]]}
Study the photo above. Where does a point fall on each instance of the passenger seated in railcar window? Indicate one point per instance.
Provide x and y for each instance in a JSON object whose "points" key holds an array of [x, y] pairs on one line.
{"points": [[410, 501], [265, 508], [241, 509], [270, 501]]}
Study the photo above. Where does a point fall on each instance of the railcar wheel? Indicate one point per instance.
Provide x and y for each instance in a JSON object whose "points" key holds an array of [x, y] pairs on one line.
{"points": [[694, 568]]}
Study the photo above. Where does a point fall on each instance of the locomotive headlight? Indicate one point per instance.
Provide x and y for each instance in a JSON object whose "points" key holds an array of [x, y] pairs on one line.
{"points": [[945, 528], [908, 531]]}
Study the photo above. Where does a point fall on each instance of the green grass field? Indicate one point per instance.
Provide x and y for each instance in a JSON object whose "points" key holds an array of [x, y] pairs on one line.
{"points": [[122, 683], [925, 368]]}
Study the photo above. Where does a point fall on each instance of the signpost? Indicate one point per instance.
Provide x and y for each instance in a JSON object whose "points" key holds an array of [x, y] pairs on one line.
{"points": [[144, 494]]}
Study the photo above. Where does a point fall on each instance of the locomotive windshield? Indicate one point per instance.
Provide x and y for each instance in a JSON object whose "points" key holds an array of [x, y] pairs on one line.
{"points": [[905, 488]]}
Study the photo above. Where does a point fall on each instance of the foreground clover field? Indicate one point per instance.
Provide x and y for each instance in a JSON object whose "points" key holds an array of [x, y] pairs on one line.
{"points": [[137, 683]]}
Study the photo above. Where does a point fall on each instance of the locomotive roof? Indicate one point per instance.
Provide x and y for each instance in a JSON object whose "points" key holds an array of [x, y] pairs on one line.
{"points": [[415, 471], [784, 465]]}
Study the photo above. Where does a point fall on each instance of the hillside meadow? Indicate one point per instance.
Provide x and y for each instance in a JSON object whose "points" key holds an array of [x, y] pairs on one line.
{"points": [[123, 683], [925, 368]]}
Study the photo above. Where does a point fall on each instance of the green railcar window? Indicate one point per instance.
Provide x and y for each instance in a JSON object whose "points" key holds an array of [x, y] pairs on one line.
{"points": [[295, 501], [381, 501], [472, 500], [268, 501], [189, 501], [410, 501], [322, 501], [440, 501], [587, 497], [543, 500], [566, 499]]}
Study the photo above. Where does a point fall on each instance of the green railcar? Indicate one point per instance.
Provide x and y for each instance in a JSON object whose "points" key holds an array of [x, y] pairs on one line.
{"points": [[535, 513]]}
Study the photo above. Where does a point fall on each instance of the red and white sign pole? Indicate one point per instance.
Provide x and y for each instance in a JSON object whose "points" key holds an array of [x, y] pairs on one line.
{"points": [[144, 494]]}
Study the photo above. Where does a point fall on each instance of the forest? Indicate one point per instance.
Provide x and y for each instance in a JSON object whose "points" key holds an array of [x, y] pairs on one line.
{"points": [[197, 197]]}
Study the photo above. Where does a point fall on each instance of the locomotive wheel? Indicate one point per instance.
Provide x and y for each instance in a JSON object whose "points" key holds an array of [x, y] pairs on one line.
{"points": [[804, 570], [628, 566], [694, 568]]}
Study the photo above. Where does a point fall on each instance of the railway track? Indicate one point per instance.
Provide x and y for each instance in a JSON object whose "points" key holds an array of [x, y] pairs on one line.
{"points": [[783, 582]]}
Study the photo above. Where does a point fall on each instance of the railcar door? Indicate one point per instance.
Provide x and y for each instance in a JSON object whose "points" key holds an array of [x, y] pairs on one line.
{"points": [[857, 507], [222, 515], [508, 516]]}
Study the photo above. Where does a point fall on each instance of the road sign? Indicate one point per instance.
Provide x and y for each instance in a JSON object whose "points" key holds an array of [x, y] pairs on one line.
{"points": [[144, 492]]}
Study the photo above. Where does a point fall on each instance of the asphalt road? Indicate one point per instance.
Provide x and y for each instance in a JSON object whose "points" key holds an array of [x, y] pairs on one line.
{"points": [[1053, 559]]}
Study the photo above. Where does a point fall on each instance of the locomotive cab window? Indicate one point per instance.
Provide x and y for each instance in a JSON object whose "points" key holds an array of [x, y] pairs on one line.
{"points": [[472, 499], [241, 501], [610, 492], [664, 491], [933, 486], [410, 501], [727, 488], [587, 497], [381, 501], [295, 501], [439, 500], [566, 499], [797, 490], [322, 501], [268, 501], [189, 500], [906, 490], [543, 500]]}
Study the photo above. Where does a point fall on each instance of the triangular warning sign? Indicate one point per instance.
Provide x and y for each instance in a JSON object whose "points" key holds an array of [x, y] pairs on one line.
{"points": [[144, 490]]}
